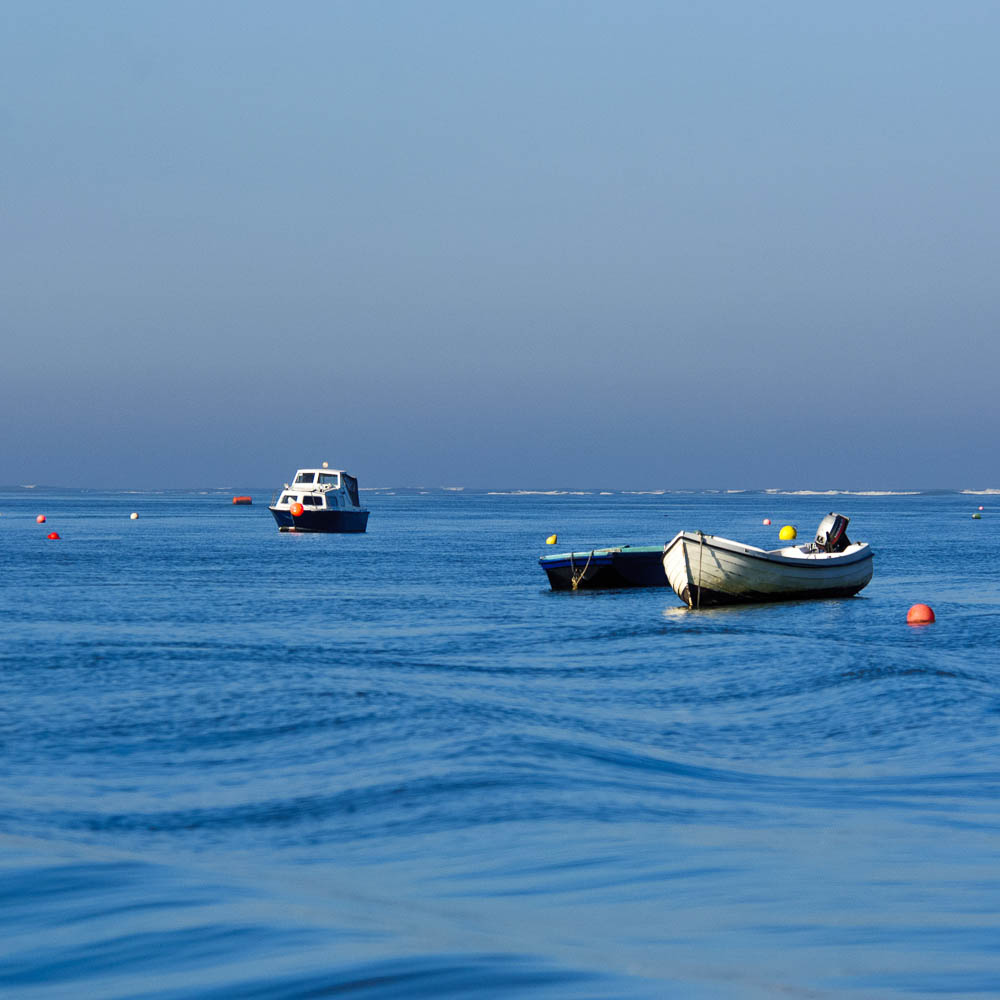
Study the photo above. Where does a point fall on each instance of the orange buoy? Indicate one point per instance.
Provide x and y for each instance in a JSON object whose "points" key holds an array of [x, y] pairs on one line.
{"points": [[920, 614], [296, 510], [40, 519], [52, 534], [242, 499], [766, 520]]}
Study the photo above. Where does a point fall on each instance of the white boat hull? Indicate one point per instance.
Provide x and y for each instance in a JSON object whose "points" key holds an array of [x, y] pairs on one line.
{"points": [[706, 570]]}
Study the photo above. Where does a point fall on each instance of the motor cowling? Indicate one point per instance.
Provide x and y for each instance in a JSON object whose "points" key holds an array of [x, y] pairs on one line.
{"points": [[831, 536]]}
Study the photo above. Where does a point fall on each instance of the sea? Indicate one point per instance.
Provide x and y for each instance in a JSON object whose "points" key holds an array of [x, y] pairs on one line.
{"points": [[241, 763]]}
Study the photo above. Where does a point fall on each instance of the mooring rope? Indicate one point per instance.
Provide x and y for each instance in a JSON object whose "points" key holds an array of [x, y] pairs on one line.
{"points": [[701, 556], [578, 578]]}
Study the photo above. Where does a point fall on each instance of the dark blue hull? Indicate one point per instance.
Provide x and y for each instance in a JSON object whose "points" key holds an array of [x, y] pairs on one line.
{"points": [[605, 569], [326, 521]]}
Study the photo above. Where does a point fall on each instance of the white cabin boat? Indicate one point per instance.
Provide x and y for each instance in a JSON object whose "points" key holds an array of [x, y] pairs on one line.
{"points": [[706, 570], [323, 500]]}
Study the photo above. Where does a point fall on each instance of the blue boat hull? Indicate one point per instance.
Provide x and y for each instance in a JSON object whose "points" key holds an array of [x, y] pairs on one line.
{"points": [[606, 569], [325, 521]]}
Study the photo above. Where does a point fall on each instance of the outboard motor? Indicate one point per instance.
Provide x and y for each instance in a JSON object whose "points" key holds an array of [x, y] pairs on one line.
{"points": [[831, 536]]}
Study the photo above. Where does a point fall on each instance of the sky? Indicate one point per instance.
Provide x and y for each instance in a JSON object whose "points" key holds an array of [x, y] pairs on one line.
{"points": [[626, 245]]}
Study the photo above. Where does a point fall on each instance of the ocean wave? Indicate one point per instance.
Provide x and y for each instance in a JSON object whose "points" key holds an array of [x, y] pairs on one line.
{"points": [[981, 493], [845, 493], [539, 493]]}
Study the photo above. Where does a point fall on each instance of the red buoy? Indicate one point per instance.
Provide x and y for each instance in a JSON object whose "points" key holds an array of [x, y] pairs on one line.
{"points": [[40, 519], [52, 534], [766, 520], [296, 510], [920, 614], [242, 499]]}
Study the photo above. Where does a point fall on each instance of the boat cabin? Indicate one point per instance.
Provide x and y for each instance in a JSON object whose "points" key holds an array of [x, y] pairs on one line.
{"points": [[321, 489]]}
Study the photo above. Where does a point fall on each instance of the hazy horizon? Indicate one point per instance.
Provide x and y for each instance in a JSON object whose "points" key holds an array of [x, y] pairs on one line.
{"points": [[537, 243], [537, 490]]}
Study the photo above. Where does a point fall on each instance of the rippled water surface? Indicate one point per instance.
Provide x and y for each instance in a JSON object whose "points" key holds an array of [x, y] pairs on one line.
{"points": [[242, 763]]}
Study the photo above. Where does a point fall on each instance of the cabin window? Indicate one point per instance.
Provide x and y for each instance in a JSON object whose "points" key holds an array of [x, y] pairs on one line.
{"points": [[305, 477], [330, 477], [287, 498], [312, 501], [351, 485]]}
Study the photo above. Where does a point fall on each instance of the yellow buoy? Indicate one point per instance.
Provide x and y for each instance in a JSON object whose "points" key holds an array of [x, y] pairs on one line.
{"points": [[552, 539], [787, 533]]}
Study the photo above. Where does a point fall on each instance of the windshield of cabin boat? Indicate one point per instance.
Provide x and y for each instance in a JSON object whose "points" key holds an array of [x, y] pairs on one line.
{"points": [[330, 477], [305, 477]]}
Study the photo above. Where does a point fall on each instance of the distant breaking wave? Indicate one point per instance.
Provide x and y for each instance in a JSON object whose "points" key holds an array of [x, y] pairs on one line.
{"points": [[981, 493], [845, 493], [539, 493]]}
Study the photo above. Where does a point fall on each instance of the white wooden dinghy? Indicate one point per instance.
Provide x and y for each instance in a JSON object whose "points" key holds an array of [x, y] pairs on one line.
{"points": [[706, 570]]}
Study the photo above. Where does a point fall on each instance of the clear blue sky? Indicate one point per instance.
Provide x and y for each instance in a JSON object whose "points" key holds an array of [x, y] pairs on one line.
{"points": [[634, 245]]}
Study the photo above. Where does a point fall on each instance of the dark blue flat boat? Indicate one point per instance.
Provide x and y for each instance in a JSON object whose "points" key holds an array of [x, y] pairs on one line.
{"points": [[606, 569]]}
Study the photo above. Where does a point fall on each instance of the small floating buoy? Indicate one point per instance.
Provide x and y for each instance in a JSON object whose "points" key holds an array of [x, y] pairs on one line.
{"points": [[977, 517], [52, 534], [981, 507], [788, 533], [920, 614], [296, 510], [133, 516], [242, 499], [552, 539], [40, 519], [766, 520]]}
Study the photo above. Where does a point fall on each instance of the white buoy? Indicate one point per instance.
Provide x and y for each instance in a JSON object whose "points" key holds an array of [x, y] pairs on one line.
{"points": [[134, 516]]}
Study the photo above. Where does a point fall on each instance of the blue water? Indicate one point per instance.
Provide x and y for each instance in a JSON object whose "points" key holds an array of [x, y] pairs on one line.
{"points": [[235, 762]]}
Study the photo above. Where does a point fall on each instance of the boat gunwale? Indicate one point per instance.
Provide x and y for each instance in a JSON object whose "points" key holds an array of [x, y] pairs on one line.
{"points": [[612, 550], [774, 556]]}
